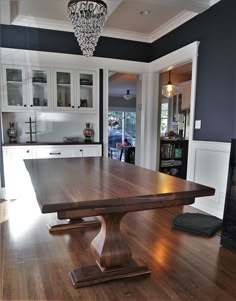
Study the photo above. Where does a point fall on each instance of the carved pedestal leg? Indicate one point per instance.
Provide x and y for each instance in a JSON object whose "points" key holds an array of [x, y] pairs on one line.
{"points": [[112, 254]]}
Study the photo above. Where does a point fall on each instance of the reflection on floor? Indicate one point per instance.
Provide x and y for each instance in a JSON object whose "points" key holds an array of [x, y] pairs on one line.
{"points": [[34, 264]]}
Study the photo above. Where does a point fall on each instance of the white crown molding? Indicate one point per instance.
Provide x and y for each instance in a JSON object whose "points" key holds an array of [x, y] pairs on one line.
{"points": [[172, 24], [212, 2], [109, 32], [42, 23], [126, 35]]}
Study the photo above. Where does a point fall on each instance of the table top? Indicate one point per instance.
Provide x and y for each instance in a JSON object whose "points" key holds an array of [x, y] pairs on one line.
{"points": [[82, 183]]}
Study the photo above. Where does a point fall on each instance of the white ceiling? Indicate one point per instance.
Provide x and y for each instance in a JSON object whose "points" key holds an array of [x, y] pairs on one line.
{"points": [[124, 18]]}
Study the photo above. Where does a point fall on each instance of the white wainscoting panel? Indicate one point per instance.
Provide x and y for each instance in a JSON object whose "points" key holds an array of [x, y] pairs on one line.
{"points": [[208, 165]]}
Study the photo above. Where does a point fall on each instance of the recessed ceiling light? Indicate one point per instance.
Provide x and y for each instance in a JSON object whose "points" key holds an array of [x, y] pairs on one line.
{"points": [[145, 12]]}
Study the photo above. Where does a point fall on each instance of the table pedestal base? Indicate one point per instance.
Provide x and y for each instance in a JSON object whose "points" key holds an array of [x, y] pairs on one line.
{"points": [[90, 275], [75, 223]]}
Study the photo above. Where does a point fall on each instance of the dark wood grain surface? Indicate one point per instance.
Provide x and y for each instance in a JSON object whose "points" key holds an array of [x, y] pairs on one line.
{"points": [[184, 266], [83, 183]]}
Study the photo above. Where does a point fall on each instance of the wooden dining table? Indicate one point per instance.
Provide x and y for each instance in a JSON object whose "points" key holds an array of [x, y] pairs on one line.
{"points": [[108, 189]]}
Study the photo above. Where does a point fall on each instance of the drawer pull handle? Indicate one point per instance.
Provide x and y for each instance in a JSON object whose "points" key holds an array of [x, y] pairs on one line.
{"points": [[54, 153]]}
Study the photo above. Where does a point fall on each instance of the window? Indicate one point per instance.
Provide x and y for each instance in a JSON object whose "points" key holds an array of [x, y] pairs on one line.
{"points": [[121, 125], [164, 118]]}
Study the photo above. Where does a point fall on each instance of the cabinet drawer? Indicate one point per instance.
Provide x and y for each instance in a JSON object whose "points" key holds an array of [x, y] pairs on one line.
{"points": [[54, 152], [90, 151]]}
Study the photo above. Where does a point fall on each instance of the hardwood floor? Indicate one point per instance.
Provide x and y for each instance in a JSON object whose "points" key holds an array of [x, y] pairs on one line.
{"points": [[35, 264]]}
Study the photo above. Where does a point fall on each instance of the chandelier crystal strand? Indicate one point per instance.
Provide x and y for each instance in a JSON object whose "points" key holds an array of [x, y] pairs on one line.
{"points": [[88, 19]]}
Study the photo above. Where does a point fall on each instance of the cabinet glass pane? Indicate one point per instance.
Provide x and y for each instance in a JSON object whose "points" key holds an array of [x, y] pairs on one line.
{"points": [[40, 88], [14, 87], [63, 89], [86, 90]]}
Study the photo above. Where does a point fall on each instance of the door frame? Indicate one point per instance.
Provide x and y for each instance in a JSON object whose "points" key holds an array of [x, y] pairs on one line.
{"points": [[179, 57], [141, 72]]}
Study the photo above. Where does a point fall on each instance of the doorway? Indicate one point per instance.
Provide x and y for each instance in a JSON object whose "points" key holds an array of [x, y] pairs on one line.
{"points": [[174, 119], [179, 57], [122, 131]]}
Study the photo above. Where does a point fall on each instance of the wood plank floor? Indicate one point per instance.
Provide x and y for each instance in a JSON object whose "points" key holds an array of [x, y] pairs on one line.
{"points": [[35, 264]]}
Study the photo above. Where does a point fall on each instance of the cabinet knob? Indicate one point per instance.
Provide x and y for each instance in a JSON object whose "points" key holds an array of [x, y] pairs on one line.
{"points": [[25, 105], [73, 107], [27, 151], [80, 150], [78, 107], [31, 106]]}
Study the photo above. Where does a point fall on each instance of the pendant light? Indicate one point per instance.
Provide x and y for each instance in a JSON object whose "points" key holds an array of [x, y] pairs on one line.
{"points": [[128, 96], [169, 90]]}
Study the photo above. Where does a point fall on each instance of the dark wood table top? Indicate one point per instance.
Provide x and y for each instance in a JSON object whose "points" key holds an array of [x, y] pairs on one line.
{"points": [[82, 183]]}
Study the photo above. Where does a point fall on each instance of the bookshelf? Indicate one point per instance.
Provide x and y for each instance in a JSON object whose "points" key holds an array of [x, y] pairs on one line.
{"points": [[173, 157]]}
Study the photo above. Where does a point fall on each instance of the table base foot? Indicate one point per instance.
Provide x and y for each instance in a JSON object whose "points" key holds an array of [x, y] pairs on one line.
{"points": [[75, 223], [91, 275]]}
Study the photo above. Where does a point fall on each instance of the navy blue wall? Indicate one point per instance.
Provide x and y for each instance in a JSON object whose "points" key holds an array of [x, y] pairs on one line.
{"points": [[21, 37], [216, 81], [215, 94]]}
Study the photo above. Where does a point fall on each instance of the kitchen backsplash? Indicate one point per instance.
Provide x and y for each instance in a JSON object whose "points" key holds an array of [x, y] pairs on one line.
{"points": [[49, 127]]}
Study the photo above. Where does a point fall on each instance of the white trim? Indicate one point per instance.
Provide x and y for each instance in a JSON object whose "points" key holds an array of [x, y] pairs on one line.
{"points": [[213, 2], [172, 24], [44, 23], [68, 61], [126, 35], [107, 32], [105, 111], [178, 57]]}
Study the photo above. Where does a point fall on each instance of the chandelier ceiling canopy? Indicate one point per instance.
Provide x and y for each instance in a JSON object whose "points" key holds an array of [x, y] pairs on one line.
{"points": [[88, 19], [169, 90]]}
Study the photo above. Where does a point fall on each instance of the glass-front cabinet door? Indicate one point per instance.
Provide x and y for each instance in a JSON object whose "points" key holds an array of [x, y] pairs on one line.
{"points": [[40, 89], [14, 88], [86, 87], [64, 95]]}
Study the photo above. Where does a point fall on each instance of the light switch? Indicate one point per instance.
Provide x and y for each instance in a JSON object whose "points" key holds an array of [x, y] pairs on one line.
{"points": [[197, 124]]}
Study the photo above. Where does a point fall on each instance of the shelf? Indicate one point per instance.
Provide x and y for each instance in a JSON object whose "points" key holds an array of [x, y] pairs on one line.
{"points": [[14, 82], [170, 163], [64, 85], [86, 86]]}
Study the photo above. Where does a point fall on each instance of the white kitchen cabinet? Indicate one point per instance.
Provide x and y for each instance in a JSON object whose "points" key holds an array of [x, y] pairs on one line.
{"points": [[75, 91], [89, 151], [87, 91], [40, 89], [26, 89], [16, 176], [64, 94], [14, 88], [50, 152], [36, 88]]}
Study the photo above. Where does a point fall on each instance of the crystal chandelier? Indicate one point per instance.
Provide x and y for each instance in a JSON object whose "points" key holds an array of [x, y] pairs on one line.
{"points": [[169, 90], [88, 19]]}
